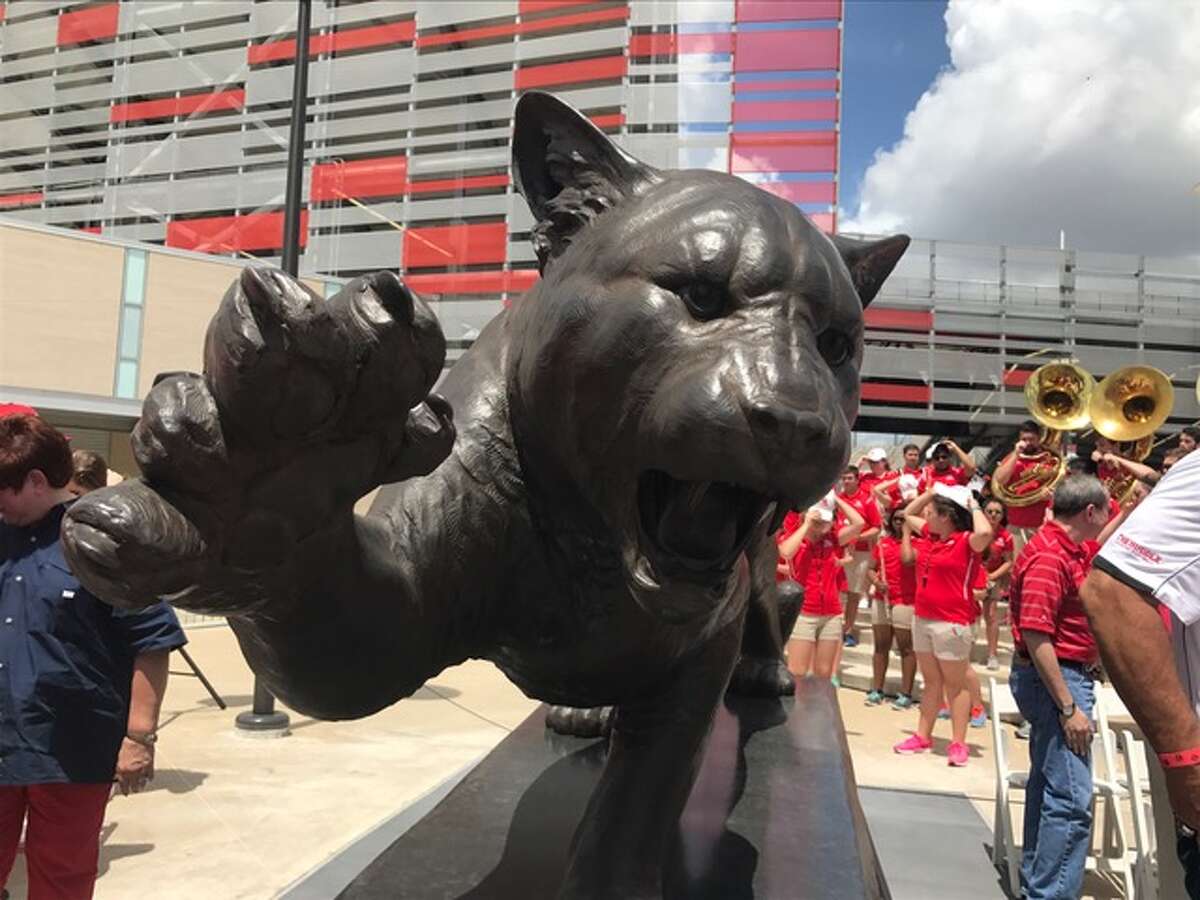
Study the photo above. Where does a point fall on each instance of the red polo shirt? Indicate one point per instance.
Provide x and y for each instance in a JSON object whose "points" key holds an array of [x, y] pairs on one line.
{"points": [[999, 549], [1044, 594], [816, 566], [869, 480], [901, 580], [1033, 515], [946, 571], [865, 505]]}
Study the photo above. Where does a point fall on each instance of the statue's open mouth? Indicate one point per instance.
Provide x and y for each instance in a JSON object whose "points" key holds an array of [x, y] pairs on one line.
{"points": [[693, 530]]}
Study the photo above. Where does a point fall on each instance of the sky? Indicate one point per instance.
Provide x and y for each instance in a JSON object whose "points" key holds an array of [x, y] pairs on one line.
{"points": [[1006, 122]]}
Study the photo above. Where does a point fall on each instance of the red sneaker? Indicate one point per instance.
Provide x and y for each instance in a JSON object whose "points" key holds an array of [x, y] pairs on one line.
{"points": [[957, 754]]}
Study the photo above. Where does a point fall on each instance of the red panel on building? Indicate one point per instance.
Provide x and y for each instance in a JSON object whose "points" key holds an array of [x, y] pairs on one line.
{"points": [[615, 14], [785, 110], [90, 229], [877, 392], [774, 11], [827, 222], [438, 185], [801, 151], [801, 84], [774, 51], [674, 44], [898, 319], [384, 176], [455, 245], [525, 7], [167, 107], [94, 23], [1016, 377], [3, 11], [518, 280], [610, 120], [350, 39], [225, 234], [10, 201], [606, 68], [801, 191]]}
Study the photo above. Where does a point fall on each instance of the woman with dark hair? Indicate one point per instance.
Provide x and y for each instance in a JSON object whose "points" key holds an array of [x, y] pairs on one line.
{"points": [[997, 562], [892, 613], [947, 557]]}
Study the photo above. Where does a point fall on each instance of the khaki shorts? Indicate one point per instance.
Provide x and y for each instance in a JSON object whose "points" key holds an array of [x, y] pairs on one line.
{"points": [[818, 628], [994, 592], [945, 640], [884, 613], [856, 572]]}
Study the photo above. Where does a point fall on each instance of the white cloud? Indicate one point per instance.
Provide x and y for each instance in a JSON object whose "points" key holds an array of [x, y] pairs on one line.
{"points": [[1073, 114]]}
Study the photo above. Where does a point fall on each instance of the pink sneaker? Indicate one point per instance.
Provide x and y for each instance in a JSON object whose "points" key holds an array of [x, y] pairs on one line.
{"points": [[956, 753], [912, 744]]}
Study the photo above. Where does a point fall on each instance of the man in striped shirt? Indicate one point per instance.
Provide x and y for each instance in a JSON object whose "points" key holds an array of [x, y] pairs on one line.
{"points": [[1052, 680]]}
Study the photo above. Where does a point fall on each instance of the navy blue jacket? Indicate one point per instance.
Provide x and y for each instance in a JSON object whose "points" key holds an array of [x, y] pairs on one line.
{"points": [[66, 662]]}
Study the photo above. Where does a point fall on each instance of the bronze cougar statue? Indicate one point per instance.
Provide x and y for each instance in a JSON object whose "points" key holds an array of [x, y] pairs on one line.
{"points": [[591, 515]]}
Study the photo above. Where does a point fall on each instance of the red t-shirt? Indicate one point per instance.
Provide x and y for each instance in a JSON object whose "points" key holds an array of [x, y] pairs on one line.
{"points": [[901, 580], [865, 505], [816, 566], [1033, 515], [999, 550], [952, 476], [1044, 593], [946, 571]]}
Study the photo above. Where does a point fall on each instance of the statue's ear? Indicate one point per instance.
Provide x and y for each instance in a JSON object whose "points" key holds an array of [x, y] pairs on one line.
{"points": [[870, 262], [567, 170]]}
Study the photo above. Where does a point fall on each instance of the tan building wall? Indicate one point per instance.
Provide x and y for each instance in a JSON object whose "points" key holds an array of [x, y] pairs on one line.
{"points": [[60, 297]]}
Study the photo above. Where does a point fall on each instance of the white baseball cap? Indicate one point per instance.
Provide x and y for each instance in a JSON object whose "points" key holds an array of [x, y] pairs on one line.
{"points": [[955, 493], [825, 515], [877, 454]]}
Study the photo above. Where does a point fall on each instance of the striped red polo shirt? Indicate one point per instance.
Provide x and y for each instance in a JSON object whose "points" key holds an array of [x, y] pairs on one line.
{"points": [[1044, 593]]}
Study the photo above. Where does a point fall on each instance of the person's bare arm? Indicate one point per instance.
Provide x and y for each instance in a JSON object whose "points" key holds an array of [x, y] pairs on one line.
{"points": [[1077, 729], [1004, 472], [1137, 655], [135, 761], [981, 534], [1137, 469], [854, 522], [968, 463], [791, 545]]}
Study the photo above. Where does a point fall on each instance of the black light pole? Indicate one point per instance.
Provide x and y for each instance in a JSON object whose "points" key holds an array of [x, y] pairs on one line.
{"points": [[263, 718]]}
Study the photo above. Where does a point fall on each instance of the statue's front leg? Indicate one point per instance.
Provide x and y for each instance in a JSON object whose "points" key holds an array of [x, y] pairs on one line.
{"points": [[655, 752]]}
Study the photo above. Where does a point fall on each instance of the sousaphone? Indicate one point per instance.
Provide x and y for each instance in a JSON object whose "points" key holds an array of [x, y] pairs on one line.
{"points": [[1057, 396], [1128, 407]]}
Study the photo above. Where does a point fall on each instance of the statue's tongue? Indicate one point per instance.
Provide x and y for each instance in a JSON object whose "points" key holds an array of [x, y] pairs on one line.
{"points": [[699, 520]]}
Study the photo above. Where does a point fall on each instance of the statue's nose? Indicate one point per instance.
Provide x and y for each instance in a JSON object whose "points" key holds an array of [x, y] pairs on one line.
{"points": [[778, 429]]}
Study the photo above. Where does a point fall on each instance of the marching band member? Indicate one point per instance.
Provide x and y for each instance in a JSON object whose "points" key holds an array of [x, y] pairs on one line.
{"points": [[1028, 473]]}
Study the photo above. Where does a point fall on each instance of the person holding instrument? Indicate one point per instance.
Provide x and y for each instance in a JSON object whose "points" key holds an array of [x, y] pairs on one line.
{"points": [[1024, 479]]}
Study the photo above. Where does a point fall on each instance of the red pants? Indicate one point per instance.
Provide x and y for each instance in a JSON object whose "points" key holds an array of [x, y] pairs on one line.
{"points": [[62, 837]]}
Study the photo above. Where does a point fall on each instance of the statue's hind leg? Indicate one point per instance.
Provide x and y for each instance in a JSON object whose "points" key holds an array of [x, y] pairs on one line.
{"points": [[761, 670]]}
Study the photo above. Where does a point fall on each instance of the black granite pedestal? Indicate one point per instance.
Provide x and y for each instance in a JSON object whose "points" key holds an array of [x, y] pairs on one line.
{"points": [[774, 814]]}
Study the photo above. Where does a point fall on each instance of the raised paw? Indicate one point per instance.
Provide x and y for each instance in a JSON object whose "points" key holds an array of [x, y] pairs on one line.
{"points": [[762, 677], [580, 721], [305, 405]]}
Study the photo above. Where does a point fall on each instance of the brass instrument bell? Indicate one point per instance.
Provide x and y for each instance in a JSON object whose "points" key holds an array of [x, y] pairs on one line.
{"points": [[1131, 403], [1058, 394]]}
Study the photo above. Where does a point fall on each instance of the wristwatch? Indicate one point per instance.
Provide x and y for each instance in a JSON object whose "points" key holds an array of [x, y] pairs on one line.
{"points": [[145, 738], [1065, 712]]}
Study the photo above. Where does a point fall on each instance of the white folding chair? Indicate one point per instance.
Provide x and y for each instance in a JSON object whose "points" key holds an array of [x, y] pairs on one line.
{"points": [[1145, 858], [1005, 850], [1113, 856]]}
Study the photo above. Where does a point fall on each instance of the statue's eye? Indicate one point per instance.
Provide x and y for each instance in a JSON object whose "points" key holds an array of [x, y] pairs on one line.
{"points": [[704, 299], [835, 347]]}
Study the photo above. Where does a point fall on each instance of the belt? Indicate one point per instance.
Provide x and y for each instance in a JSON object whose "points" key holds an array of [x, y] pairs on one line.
{"points": [[1092, 670]]}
